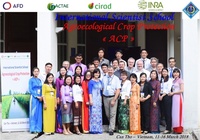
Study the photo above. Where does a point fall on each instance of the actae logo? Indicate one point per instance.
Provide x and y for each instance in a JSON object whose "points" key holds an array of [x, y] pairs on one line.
{"points": [[99, 6], [52, 6]]}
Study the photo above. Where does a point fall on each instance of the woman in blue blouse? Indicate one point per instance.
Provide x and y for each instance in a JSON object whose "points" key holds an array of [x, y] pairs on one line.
{"points": [[35, 88], [95, 87]]}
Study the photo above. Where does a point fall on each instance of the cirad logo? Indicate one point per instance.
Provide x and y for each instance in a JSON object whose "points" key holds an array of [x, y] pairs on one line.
{"points": [[8, 5], [52, 6], [142, 4], [99, 6]]}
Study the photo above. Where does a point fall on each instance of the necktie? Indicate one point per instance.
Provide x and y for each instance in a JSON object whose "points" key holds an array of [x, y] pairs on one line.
{"points": [[143, 63], [171, 71]]}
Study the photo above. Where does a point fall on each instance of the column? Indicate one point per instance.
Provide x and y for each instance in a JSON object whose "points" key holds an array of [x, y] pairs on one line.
{"points": [[46, 40], [190, 52], [141, 37]]}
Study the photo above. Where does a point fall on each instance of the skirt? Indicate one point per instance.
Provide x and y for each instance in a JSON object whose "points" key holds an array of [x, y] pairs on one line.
{"points": [[77, 113], [67, 116]]}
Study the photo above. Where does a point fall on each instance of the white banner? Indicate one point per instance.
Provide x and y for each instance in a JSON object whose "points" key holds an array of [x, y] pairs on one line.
{"points": [[15, 74]]}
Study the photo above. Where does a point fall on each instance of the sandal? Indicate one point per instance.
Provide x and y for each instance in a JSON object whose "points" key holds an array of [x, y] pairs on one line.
{"points": [[65, 133], [70, 132], [166, 132], [78, 133]]}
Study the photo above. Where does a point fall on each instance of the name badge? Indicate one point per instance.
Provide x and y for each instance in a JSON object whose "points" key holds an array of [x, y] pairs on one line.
{"points": [[142, 94], [38, 91], [51, 93], [108, 87], [70, 93]]}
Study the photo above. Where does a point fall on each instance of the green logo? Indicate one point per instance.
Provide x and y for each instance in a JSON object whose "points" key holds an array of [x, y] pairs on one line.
{"points": [[51, 6], [91, 5], [142, 4]]}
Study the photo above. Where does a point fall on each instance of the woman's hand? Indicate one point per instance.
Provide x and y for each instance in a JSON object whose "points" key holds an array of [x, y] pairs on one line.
{"points": [[45, 106], [154, 104], [76, 104], [65, 107], [171, 94], [58, 101]]}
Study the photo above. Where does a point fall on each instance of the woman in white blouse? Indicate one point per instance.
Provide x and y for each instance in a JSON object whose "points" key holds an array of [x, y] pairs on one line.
{"points": [[123, 108], [77, 92], [166, 100]]}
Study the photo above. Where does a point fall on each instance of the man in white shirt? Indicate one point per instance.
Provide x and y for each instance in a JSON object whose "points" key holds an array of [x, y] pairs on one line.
{"points": [[131, 62], [48, 68], [160, 66], [140, 70], [145, 60], [153, 62]]}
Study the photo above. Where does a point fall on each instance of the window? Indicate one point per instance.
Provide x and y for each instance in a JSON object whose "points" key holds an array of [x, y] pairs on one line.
{"points": [[81, 46], [62, 44]]}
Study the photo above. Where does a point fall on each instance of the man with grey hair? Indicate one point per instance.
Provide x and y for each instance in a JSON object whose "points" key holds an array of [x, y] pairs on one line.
{"points": [[153, 62], [131, 68], [111, 90], [65, 64], [140, 70]]}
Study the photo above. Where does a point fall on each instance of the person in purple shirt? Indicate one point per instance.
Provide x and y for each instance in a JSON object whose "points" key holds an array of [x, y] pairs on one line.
{"points": [[66, 93], [78, 59], [59, 83]]}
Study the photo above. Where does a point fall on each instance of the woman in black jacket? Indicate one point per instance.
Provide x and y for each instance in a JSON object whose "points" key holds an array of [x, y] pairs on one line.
{"points": [[145, 95]]}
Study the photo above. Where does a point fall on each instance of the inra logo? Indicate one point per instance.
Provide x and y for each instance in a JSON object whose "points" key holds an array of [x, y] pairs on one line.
{"points": [[8, 5], [142, 4], [52, 6], [99, 6]]}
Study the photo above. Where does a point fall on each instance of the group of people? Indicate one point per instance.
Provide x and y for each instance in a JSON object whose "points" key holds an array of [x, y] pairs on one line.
{"points": [[135, 96]]}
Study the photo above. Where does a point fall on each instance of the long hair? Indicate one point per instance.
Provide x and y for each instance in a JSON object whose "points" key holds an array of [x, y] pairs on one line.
{"points": [[68, 76], [88, 71], [60, 76], [75, 83], [75, 70], [166, 78], [156, 74], [46, 81]]}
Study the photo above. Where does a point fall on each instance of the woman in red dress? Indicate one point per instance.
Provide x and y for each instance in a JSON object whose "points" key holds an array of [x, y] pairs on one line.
{"points": [[85, 104]]}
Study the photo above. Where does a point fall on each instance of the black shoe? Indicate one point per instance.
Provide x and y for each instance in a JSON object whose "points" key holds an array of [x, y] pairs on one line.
{"points": [[111, 133]]}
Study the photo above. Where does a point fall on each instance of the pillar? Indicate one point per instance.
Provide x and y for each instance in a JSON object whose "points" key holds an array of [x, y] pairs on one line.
{"points": [[190, 52], [46, 40]]}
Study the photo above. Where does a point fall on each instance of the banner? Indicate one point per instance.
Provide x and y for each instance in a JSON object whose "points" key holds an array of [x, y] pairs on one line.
{"points": [[15, 74]]}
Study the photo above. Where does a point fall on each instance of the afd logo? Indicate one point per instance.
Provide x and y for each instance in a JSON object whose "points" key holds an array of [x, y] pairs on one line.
{"points": [[52, 6], [99, 6], [8, 5]]}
